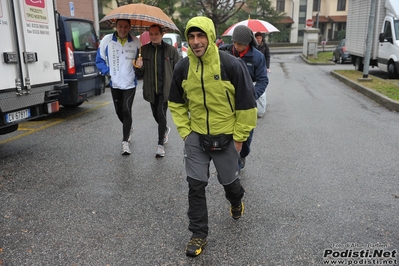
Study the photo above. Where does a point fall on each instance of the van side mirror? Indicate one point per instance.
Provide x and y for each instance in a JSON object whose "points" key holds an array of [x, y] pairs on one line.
{"points": [[382, 37]]}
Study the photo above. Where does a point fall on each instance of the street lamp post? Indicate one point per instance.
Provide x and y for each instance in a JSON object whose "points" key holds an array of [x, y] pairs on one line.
{"points": [[318, 14], [369, 39]]}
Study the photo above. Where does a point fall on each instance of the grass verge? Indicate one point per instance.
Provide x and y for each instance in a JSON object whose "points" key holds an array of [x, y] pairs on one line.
{"points": [[389, 88], [322, 57]]}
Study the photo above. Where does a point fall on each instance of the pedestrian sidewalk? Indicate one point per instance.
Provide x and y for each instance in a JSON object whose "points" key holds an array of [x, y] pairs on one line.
{"points": [[372, 94]]}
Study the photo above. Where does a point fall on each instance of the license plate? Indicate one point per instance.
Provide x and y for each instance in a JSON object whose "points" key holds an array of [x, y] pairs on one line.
{"points": [[89, 69], [17, 116]]}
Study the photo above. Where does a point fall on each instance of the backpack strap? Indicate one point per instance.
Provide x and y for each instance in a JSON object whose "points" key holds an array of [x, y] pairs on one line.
{"points": [[225, 66]]}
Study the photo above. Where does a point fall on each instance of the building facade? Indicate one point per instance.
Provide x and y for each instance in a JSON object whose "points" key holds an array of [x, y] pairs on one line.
{"points": [[327, 15], [87, 9]]}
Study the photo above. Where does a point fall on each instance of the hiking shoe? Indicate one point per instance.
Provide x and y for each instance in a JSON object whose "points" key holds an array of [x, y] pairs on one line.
{"points": [[165, 140], [160, 151], [131, 133], [125, 148], [236, 212], [195, 246], [241, 163]]}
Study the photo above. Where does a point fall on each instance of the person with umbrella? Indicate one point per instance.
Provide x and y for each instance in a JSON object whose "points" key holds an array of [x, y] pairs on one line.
{"points": [[114, 59], [244, 47], [158, 59], [213, 106]]}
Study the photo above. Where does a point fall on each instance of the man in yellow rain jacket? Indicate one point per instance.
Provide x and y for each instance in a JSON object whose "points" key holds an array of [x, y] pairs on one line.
{"points": [[213, 106]]}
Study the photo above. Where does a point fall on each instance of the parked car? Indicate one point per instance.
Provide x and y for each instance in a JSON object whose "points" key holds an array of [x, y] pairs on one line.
{"points": [[174, 39], [340, 54], [184, 48], [79, 43]]}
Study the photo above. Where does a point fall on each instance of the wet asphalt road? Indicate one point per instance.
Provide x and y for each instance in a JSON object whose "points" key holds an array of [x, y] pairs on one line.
{"points": [[322, 176]]}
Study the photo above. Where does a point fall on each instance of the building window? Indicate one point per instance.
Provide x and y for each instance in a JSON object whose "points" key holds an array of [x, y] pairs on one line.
{"points": [[280, 5], [341, 5], [316, 5]]}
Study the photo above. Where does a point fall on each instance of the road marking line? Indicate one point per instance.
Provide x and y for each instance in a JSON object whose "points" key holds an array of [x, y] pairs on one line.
{"points": [[56, 121]]}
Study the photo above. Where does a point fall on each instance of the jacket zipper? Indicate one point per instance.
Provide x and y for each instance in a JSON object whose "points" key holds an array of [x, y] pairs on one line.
{"points": [[203, 91], [228, 99], [156, 69]]}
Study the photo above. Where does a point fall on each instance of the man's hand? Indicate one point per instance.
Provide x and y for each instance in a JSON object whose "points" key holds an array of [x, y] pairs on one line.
{"points": [[238, 146], [138, 63]]}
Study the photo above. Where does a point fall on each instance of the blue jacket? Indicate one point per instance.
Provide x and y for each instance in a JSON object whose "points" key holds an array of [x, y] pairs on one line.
{"points": [[256, 65]]}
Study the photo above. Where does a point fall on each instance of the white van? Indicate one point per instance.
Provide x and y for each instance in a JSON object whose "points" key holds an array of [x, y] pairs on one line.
{"points": [[174, 39]]}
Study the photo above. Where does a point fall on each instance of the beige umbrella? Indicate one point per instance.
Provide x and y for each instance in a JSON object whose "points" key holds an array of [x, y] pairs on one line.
{"points": [[141, 17]]}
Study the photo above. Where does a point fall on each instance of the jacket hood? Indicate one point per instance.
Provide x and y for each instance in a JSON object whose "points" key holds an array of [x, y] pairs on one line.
{"points": [[207, 26]]}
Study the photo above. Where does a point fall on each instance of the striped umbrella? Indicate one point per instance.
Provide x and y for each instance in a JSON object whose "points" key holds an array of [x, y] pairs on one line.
{"points": [[256, 25], [141, 17]]}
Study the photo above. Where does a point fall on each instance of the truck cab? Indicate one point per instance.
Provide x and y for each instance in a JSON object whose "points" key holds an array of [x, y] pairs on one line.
{"points": [[388, 51], [384, 33]]}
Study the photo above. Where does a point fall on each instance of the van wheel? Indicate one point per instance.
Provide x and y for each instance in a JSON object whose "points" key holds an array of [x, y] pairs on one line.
{"points": [[9, 129], [392, 71], [358, 64], [72, 105], [334, 59], [341, 61]]}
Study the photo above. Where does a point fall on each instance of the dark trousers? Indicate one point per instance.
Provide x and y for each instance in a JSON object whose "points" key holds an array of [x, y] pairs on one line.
{"points": [[197, 207], [123, 101], [159, 108], [246, 145]]}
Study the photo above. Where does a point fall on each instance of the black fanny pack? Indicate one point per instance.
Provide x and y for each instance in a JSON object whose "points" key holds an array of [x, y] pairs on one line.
{"points": [[215, 143]]}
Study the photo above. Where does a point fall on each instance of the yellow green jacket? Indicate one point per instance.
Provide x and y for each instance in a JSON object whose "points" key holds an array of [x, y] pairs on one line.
{"points": [[213, 94]]}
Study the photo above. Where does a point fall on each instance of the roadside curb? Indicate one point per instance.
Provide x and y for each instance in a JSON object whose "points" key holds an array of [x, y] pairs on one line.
{"points": [[316, 63], [374, 95], [295, 49]]}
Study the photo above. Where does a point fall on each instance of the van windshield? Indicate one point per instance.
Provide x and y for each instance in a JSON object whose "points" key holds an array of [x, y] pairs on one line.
{"points": [[83, 36]]}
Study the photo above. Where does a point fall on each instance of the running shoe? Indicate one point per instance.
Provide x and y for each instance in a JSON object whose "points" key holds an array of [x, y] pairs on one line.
{"points": [[125, 148], [160, 151], [236, 212], [195, 246]]}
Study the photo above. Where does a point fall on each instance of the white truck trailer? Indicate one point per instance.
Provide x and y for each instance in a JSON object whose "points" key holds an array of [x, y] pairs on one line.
{"points": [[385, 39], [30, 64]]}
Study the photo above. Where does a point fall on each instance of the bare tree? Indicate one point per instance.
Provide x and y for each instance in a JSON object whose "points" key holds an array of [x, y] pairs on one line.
{"points": [[219, 11], [147, 2], [168, 6]]}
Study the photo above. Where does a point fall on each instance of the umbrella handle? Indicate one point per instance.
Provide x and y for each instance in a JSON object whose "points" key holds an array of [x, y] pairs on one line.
{"points": [[134, 61]]}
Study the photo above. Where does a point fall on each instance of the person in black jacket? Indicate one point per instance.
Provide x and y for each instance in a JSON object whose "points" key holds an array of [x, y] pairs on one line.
{"points": [[264, 48], [156, 66]]}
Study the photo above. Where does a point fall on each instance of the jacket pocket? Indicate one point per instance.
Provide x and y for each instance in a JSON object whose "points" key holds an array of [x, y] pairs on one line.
{"points": [[229, 100]]}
